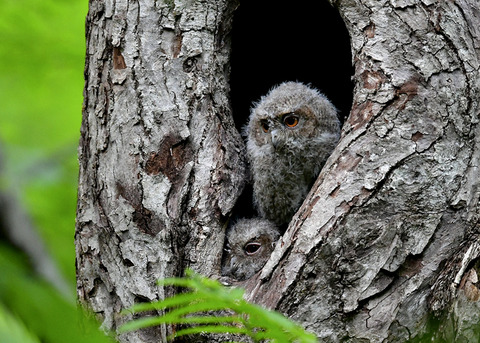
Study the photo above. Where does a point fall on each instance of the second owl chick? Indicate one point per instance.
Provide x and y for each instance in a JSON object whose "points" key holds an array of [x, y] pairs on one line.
{"points": [[249, 245], [290, 134]]}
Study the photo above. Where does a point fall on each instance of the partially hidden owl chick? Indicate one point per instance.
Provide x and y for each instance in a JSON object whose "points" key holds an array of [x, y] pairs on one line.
{"points": [[291, 132], [249, 245]]}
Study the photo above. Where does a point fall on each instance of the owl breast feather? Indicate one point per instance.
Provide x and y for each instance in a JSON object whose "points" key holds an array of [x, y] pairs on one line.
{"points": [[280, 185]]}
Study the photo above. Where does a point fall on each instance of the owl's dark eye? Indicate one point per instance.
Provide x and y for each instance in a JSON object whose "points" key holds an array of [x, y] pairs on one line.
{"points": [[251, 248], [290, 120], [264, 126]]}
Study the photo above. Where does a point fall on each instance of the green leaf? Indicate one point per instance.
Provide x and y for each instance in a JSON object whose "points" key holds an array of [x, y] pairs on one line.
{"points": [[178, 300], [153, 321], [209, 329], [208, 296]]}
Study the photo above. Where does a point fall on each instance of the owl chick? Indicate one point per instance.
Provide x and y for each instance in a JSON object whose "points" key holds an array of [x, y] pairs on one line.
{"points": [[290, 134], [249, 245]]}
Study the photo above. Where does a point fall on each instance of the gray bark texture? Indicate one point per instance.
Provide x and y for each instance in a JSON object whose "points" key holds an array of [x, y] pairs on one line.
{"points": [[386, 246], [161, 163]]}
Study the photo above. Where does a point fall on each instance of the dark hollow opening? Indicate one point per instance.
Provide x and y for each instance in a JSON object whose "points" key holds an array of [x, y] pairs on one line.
{"points": [[275, 41]]}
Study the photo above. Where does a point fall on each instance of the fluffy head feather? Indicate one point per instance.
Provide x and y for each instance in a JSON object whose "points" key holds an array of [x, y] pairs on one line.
{"points": [[249, 245]]}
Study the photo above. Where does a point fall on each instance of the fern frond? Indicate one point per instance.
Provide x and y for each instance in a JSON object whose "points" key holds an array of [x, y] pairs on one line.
{"points": [[208, 295], [181, 299], [209, 329], [154, 321]]}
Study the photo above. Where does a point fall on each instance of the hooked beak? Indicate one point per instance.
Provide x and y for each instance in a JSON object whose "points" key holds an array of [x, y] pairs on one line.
{"points": [[275, 138], [230, 267]]}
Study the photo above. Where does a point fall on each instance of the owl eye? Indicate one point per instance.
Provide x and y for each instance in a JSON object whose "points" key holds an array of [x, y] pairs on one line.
{"points": [[264, 126], [290, 120], [252, 247]]}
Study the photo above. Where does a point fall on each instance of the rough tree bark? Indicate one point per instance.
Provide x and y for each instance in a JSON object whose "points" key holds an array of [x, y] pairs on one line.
{"points": [[385, 247], [161, 163]]}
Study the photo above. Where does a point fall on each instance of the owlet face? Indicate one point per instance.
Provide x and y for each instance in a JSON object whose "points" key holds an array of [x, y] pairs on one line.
{"points": [[290, 115], [249, 245], [281, 129]]}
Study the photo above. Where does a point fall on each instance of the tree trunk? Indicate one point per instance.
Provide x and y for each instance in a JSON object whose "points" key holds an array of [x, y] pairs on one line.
{"points": [[161, 163], [384, 248]]}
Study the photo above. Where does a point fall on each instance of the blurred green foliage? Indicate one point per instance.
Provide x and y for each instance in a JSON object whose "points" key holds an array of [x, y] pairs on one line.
{"points": [[42, 49], [31, 310]]}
